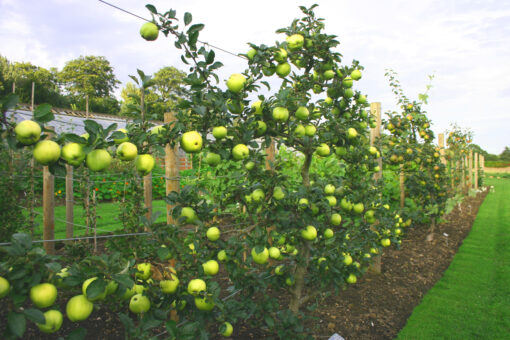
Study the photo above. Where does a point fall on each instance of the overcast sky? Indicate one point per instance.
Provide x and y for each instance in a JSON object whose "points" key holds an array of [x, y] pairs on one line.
{"points": [[465, 44]]}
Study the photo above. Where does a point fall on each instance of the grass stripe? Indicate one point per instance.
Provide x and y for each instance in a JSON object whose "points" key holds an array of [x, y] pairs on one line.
{"points": [[472, 299]]}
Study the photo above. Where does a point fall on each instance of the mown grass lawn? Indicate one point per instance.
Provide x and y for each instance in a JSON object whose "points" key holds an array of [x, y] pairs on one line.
{"points": [[107, 219], [472, 300]]}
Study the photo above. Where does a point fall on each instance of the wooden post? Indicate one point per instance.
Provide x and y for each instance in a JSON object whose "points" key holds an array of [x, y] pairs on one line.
{"points": [[48, 210], [402, 186], [33, 96], [375, 110], [171, 169], [475, 170], [87, 201], [94, 205], [270, 154], [470, 170], [13, 87], [463, 173], [147, 193], [69, 201], [440, 139], [87, 106]]}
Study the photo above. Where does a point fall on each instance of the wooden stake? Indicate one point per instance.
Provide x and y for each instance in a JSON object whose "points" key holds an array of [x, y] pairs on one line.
{"points": [[171, 169], [375, 110], [440, 138], [147, 193], [470, 170], [94, 204], [69, 201], [13, 87], [48, 210], [475, 175], [87, 106], [33, 96], [270, 154], [402, 186]]}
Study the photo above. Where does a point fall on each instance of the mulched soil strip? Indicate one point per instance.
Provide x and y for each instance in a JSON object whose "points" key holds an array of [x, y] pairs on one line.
{"points": [[377, 307]]}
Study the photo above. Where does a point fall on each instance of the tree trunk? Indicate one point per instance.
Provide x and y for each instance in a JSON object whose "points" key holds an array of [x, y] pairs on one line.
{"points": [[301, 267]]}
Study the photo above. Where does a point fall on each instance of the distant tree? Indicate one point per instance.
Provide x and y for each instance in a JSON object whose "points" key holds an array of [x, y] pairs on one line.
{"points": [[164, 94], [4, 70], [505, 155], [92, 76]]}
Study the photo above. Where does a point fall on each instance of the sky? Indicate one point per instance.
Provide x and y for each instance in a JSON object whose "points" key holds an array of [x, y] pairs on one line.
{"points": [[464, 44]]}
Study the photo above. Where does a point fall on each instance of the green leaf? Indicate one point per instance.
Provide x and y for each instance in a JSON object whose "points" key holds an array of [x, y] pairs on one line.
{"points": [[195, 28], [43, 114], [210, 57], [151, 8], [77, 334], [92, 127], [124, 280], [34, 315], [187, 18], [96, 288], [269, 321], [17, 323], [9, 102]]}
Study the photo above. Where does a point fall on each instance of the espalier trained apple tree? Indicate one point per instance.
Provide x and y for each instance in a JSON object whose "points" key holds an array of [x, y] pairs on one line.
{"points": [[410, 148], [323, 226]]}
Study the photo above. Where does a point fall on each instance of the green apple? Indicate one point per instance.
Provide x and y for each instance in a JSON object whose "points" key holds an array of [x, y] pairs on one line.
{"points": [[358, 208], [329, 74], [144, 164], [84, 287], [331, 200], [295, 42], [46, 152], [310, 130], [191, 142], [53, 321], [336, 219], [340, 151], [323, 150], [283, 70], [278, 193], [149, 31], [289, 281], [356, 75], [226, 329], [222, 255], [351, 279], [213, 234], [274, 252], [211, 267], [314, 208], [43, 295], [261, 257], [280, 55], [249, 165], [352, 133], [303, 203], [280, 114], [219, 132], [279, 269], [196, 286], [309, 233], [78, 308], [372, 150], [348, 93], [4, 287], [374, 251], [328, 100], [98, 160], [73, 153], [236, 82], [316, 113], [144, 271], [257, 107], [385, 242], [111, 287], [345, 204], [169, 286], [27, 132], [130, 292], [261, 128], [300, 131], [347, 82], [251, 54], [204, 303], [240, 151], [127, 151], [347, 260], [329, 233], [190, 215], [329, 189], [268, 70], [212, 159], [139, 304], [258, 195], [362, 99], [302, 113], [235, 106], [157, 130], [122, 140]]}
